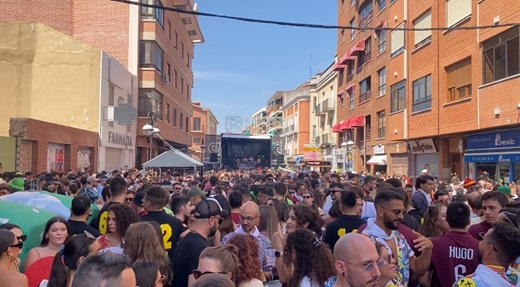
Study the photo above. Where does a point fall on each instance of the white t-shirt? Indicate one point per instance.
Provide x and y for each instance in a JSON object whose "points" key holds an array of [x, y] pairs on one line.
{"points": [[252, 283], [306, 282]]}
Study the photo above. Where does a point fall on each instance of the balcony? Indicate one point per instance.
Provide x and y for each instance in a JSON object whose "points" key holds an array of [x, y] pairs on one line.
{"points": [[317, 109], [327, 106], [317, 140], [325, 138], [365, 96]]}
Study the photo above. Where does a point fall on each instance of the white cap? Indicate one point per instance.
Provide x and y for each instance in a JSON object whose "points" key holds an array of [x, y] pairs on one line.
{"points": [[424, 172]]}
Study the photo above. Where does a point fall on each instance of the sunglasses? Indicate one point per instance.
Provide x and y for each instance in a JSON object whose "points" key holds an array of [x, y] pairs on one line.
{"points": [[22, 238], [197, 273], [129, 199], [178, 188], [307, 196]]}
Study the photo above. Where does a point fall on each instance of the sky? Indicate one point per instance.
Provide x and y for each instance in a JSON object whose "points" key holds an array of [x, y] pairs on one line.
{"points": [[241, 65]]}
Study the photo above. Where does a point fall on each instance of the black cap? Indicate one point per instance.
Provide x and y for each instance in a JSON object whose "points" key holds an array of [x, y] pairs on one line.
{"points": [[138, 199], [207, 208]]}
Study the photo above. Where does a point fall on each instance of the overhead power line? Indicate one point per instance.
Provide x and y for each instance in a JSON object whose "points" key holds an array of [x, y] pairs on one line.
{"points": [[314, 26]]}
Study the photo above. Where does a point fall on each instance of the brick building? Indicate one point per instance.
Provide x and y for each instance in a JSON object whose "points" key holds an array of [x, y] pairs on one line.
{"points": [[203, 123], [443, 90], [155, 45]]}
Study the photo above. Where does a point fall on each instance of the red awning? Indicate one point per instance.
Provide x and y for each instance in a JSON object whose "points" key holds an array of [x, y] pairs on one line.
{"points": [[344, 125], [336, 128], [347, 57], [351, 87], [358, 121], [338, 67], [341, 94], [382, 24], [360, 47]]}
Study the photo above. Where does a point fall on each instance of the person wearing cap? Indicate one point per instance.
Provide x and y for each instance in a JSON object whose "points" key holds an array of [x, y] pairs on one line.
{"points": [[88, 189], [16, 184], [468, 183], [79, 214], [506, 190], [207, 216], [196, 195], [138, 204], [172, 228], [249, 220]]}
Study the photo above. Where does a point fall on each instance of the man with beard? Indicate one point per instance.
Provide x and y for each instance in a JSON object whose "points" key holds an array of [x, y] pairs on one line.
{"points": [[390, 211], [497, 251], [456, 251], [207, 215], [335, 189], [249, 220], [357, 262]]}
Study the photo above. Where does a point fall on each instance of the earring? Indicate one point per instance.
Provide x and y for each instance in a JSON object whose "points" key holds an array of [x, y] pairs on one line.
{"points": [[10, 255], [343, 274]]}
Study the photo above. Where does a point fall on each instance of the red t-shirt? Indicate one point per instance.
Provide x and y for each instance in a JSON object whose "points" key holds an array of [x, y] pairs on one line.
{"points": [[455, 256], [479, 230], [235, 216]]}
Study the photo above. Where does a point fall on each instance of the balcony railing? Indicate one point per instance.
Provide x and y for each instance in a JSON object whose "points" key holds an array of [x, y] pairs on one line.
{"points": [[366, 19], [365, 96], [325, 138], [317, 109], [327, 106]]}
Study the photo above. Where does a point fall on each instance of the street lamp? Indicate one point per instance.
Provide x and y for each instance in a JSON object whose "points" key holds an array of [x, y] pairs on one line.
{"points": [[150, 130], [202, 148]]}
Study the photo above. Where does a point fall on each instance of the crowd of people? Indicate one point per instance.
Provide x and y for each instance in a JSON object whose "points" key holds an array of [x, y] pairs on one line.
{"points": [[267, 227]]}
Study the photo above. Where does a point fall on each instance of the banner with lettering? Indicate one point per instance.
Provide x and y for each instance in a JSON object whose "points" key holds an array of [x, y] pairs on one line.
{"points": [[497, 140], [422, 146]]}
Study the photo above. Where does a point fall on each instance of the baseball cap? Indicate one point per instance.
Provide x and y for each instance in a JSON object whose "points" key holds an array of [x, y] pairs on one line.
{"points": [[207, 208], [505, 190], [90, 179], [194, 191], [138, 199]]}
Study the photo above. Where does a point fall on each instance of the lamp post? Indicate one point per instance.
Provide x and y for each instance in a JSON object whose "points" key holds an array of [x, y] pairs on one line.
{"points": [[202, 148], [150, 130]]}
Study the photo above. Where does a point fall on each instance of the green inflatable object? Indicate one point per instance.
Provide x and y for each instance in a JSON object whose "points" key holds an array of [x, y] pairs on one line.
{"points": [[67, 201]]}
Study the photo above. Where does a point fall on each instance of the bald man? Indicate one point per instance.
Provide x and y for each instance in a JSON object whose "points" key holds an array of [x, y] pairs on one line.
{"points": [[356, 262], [249, 220]]}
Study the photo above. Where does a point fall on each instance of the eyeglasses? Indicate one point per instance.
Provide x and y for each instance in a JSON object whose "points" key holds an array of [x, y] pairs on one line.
{"points": [[370, 266], [248, 218], [129, 199], [394, 211], [307, 196], [22, 238], [17, 245], [197, 273], [177, 188]]}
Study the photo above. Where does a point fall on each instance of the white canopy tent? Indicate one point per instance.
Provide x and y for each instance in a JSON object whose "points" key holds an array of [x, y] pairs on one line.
{"points": [[173, 158]]}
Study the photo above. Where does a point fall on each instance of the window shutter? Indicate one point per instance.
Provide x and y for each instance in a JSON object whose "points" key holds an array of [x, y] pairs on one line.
{"points": [[397, 39], [425, 21]]}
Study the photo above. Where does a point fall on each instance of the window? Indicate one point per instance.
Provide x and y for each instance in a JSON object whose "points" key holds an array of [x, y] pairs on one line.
{"points": [[188, 59], [151, 13], [342, 4], [341, 100], [381, 4], [351, 99], [150, 101], [182, 86], [168, 72], [381, 79], [381, 124], [381, 41], [176, 40], [422, 94], [174, 117], [501, 56], [397, 41], [151, 55], [458, 80], [367, 53], [176, 78], [352, 3], [423, 37], [167, 115], [352, 24], [169, 30], [187, 124], [182, 50], [187, 91], [366, 13], [196, 124], [364, 93], [197, 141], [350, 70], [342, 36], [397, 97], [456, 11], [182, 122]]}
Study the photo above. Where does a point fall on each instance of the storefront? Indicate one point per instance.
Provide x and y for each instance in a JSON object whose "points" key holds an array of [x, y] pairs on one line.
{"points": [[425, 156], [117, 149], [495, 155], [378, 162], [399, 164]]}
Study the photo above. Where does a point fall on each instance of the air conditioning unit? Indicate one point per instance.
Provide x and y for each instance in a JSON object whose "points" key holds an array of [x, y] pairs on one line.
{"points": [[165, 78]]}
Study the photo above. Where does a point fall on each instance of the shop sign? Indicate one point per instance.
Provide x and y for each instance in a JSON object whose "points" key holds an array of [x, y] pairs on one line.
{"points": [[505, 139], [492, 158], [422, 146], [116, 139], [378, 149], [312, 152]]}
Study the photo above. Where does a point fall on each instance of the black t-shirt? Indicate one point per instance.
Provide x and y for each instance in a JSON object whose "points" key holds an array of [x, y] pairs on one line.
{"points": [[79, 227], [186, 257], [100, 222], [341, 226], [171, 228]]}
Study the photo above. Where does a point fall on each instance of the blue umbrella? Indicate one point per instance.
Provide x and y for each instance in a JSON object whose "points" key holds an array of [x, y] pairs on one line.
{"points": [[39, 200]]}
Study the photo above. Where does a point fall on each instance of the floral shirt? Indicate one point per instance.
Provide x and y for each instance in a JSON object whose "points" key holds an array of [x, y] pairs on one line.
{"points": [[490, 276], [331, 281], [264, 244]]}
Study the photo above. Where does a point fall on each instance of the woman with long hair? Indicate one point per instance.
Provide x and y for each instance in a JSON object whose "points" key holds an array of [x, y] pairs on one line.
{"points": [[388, 268], [281, 207], [268, 221], [309, 260], [221, 259], [303, 216], [10, 249], [55, 234], [143, 244], [67, 260], [248, 272], [226, 225], [147, 274], [17, 231], [435, 223], [119, 219]]}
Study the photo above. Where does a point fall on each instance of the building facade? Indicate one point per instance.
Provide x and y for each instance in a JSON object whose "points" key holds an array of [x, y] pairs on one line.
{"points": [[259, 122], [154, 45], [447, 88], [203, 124]]}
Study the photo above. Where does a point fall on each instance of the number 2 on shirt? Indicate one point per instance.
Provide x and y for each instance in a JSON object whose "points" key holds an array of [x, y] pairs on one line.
{"points": [[167, 235], [103, 222]]}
